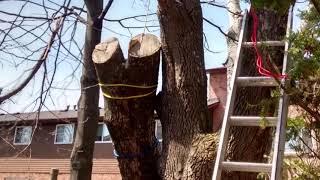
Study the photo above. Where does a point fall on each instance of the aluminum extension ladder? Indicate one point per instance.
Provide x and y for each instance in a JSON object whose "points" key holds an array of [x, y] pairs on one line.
{"points": [[274, 169]]}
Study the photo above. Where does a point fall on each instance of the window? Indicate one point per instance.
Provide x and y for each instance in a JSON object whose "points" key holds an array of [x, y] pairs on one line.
{"points": [[303, 142], [22, 135], [103, 135], [64, 134], [158, 130]]}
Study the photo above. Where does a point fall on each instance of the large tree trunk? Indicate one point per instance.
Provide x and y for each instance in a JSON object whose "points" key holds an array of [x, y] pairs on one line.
{"points": [[88, 110], [129, 110], [187, 151], [252, 143]]}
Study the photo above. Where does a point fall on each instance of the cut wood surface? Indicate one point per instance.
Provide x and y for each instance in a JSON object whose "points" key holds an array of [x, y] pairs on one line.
{"points": [[129, 88]]}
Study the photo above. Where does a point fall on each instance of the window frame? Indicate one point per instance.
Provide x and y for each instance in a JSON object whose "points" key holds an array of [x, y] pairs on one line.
{"points": [[293, 152], [103, 142], [15, 134], [56, 132], [156, 129]]}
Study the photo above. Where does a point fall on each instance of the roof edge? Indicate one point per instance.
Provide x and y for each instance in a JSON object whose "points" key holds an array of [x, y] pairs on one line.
{"points": [[218, 70]]}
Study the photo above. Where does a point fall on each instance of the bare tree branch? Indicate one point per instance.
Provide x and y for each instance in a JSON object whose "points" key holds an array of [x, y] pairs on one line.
{"points": [[212, 3], [42, 58], [219, 28], [105, 10], [34, 17]]}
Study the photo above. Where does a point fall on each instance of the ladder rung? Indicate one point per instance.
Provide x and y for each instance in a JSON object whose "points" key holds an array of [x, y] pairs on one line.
{"points": [[256, 81], [246, 166], [253, 121], [266, 43]]}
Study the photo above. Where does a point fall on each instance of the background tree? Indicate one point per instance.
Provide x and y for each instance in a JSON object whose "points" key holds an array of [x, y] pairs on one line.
{"points": [[235, 19], [88, 105], [303, 129]]}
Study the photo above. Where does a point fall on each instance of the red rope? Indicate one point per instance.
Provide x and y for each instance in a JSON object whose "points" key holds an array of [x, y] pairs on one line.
{"points": [[259, 59]]}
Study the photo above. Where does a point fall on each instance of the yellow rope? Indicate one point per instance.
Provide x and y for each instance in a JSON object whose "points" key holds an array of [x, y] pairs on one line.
{"points": [[128, 97], [127, 85]]}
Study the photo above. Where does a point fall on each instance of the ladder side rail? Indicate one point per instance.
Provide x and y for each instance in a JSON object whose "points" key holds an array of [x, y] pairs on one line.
{"points": [[224, 134], [280, 135]]}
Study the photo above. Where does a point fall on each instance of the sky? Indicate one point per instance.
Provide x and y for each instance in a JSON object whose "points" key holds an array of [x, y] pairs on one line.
{"points": [[66, 84]]}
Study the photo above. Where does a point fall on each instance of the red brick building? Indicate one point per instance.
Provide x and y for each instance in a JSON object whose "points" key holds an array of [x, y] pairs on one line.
{"points": [[50, 147], [217, 89]]}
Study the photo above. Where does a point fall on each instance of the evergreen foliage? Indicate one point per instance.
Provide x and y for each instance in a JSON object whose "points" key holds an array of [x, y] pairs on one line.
{"points": [[279, 5], [305, 73]]}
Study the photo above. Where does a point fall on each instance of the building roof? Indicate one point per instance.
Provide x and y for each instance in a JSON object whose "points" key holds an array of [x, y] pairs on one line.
{"points": [[43, 115], [218, 70], [63, 115]]}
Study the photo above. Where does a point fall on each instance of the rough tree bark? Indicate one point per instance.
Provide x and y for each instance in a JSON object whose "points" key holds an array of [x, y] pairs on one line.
{"points": [[88, 110], [188, 152], [235, 20], [255, 142], [130, 119], [316, 4]]}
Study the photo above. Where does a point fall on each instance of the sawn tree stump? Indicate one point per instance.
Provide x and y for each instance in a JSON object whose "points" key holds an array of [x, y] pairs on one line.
{"points": [[129, 88]]}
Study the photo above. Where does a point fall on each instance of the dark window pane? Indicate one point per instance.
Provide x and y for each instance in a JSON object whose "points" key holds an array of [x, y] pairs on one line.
{"points": [[158, 130], [23, 135], [106, 134], [64, 133], [99, 132], [107, 138], [103, 133]]}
